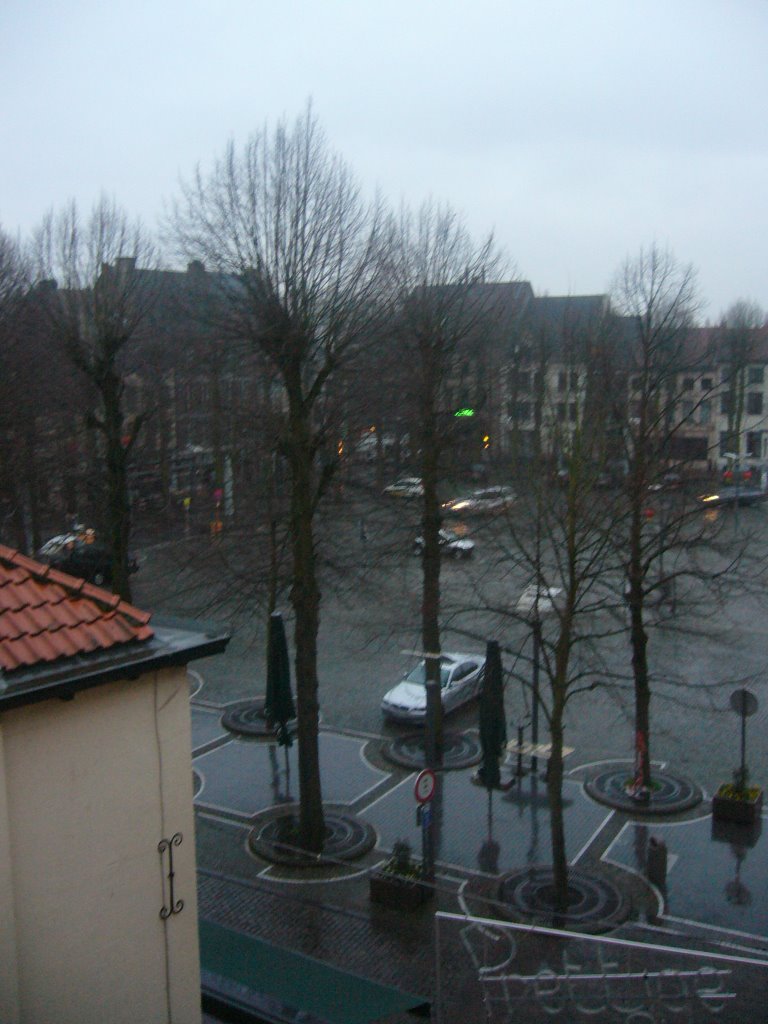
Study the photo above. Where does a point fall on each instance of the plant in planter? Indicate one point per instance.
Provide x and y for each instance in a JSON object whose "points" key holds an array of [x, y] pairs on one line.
{"points": [[399, 883], [737, 800]]}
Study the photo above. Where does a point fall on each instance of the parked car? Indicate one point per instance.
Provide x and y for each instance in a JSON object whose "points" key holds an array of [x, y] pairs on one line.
{"points": [[461, 677], [81, 554], [486, 500], [405, 487], [451, 544]]}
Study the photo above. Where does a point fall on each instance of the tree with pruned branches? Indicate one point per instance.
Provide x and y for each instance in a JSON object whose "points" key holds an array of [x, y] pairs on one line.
{"points": [[439, 273], [298, 254]]}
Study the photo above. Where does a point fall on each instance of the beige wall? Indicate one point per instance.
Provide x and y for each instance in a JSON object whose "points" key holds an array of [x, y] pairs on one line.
{"points": [[88, 787]]}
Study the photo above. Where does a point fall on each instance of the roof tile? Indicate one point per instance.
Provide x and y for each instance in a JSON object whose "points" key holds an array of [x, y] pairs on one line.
{"points": [[46, 615]]}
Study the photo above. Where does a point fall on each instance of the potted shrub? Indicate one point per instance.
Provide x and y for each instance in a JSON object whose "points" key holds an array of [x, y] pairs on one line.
{"points": [[399, 883], [737, 800]]}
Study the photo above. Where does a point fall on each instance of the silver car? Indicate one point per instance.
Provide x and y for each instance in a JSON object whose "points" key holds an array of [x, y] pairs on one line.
{"points": [[461, 677], [487, 500]]}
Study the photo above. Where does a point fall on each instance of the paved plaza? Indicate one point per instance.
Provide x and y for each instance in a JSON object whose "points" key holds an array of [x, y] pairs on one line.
{"points": [[712, 895]]}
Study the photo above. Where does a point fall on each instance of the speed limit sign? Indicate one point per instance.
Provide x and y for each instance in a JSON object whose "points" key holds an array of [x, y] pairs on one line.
{"points": [[425, 786]]}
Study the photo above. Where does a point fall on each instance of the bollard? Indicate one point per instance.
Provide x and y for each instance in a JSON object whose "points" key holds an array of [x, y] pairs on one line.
{"points": [[656, 866]]}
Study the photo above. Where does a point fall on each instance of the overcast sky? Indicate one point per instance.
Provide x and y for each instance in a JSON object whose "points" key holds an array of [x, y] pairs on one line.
{"points": [[576, 131]]}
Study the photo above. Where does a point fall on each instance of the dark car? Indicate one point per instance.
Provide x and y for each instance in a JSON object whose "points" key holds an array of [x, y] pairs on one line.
{"points": [[81, 554], [450, 544]]}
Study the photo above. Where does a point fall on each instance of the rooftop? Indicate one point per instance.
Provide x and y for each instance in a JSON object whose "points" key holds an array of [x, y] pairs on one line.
{"points": [[59, 634]]}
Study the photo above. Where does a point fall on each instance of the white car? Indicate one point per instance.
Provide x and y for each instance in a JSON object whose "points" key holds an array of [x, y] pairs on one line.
{"points": [[405, 487], [461, 676], [450, 544], [489, 499]]}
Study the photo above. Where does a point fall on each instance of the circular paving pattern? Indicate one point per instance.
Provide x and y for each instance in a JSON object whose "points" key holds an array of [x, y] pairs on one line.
{"points": [[197, 783], [347, 837], [594, 903], [247, 719], [670, 793], [460, 750]]}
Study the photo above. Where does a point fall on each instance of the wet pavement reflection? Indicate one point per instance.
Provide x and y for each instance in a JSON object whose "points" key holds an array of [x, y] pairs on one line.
{"points": [[480, 833], [725, 861], [246, 776]]}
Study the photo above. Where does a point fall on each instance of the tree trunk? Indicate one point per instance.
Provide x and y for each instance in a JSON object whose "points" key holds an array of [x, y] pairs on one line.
{"points": [[305, 599], [639, 644], [556, 821], [118, 504], [430, 609]]}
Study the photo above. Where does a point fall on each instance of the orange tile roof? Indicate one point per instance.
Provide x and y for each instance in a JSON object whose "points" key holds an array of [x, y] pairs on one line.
{"points": [[46, 615]]}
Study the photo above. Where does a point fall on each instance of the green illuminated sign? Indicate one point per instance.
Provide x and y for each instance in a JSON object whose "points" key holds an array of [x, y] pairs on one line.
{"points": [[464, 412]]}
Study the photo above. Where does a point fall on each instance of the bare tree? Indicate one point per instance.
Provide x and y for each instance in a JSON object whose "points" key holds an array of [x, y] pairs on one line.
{"points": [[94, 316], [658, 296], [439, 273], [299, 257], [557, 537]]}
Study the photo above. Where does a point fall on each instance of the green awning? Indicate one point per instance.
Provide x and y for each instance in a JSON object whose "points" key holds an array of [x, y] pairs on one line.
{"points": [[297, 981]]}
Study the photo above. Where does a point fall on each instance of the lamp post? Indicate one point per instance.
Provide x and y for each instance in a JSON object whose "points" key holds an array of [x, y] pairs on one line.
{"points": [[535, 602]]}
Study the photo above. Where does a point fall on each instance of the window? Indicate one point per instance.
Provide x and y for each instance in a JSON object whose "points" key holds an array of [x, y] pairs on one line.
{"points": [[686, 409], [725, 404], [562, 380], [523, 380], [724, 446], [706, 383], [520, 411], [705, 413], [572, 412], [688, 384], [464, 670], [755, 403], [561, 412], [755, 444], [755, 375]]}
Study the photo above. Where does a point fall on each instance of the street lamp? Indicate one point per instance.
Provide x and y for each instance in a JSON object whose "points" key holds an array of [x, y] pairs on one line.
{"points": [[533, 604]]}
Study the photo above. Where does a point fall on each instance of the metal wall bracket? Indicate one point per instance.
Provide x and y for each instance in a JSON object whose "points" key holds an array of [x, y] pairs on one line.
{"points": [[173, 906]]}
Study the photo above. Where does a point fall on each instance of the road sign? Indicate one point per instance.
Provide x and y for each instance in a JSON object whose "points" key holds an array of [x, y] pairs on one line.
{"points": [[744, 702], [424, 789]]}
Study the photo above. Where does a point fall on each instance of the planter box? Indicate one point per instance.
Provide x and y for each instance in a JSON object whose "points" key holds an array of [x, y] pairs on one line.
{"points": [[397, 892], [728, 808]]}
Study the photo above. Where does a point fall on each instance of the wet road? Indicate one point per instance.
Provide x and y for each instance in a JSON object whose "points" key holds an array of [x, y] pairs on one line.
{"points": [[370, 615]]}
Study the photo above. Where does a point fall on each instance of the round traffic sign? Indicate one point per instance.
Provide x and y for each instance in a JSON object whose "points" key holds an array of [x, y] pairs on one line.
{"points": [[424, 789], [744, 702]]}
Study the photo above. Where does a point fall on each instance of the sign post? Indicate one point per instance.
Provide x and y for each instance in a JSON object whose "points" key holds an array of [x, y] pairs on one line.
{"points": [[424, 790], [744, 703]]}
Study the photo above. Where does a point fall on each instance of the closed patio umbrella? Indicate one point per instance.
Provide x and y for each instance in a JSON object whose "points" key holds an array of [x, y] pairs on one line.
{"points": [[493, 728]]}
